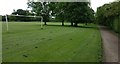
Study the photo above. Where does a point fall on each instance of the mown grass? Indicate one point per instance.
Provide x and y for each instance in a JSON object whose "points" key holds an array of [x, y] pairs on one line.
{"points": [[26, 42], [0, 41]]}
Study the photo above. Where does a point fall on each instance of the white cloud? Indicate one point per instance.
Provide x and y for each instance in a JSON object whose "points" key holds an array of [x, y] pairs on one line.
{"points": [[7, 6]]}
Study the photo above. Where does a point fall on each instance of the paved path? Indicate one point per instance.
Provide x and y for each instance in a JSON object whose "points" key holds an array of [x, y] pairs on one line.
{"points": [[110, 45]]}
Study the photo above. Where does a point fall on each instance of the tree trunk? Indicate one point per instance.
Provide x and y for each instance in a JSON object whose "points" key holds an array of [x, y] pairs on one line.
{"points": [[45, 23], [62, 23], [86, 23], [71, 23], [45, 19], [76, 24]]}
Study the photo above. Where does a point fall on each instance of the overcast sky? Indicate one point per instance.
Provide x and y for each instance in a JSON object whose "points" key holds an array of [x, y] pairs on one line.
{"points": [[7, 6]]}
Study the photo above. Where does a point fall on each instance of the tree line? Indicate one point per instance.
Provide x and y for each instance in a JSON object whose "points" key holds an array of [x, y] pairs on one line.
{"points": [[73, 12], [23, 16], [109, 15]]}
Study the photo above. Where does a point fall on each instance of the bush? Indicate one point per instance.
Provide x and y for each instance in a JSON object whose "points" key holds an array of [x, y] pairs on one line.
{"points": [[109, 15]]}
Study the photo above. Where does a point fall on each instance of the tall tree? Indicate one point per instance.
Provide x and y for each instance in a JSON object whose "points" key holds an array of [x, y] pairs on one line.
{"points": [[40, 9], [109, 15], [73, 12], [79, 12]]}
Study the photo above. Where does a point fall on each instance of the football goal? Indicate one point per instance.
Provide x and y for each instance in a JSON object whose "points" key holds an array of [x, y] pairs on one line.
{"points": [[22, 18]]}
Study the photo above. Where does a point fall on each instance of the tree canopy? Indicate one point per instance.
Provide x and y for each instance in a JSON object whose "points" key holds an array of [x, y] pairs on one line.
{"points": [[109, 15], [107, 12], [74, 12], [21, 12]]}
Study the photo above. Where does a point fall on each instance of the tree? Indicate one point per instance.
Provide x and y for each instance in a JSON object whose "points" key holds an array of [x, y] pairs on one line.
{"points": [[20, 12], [109, 15], [40, 9], [79, 12], [107, 12], [22, 18], [58, 11], [73, 12]]}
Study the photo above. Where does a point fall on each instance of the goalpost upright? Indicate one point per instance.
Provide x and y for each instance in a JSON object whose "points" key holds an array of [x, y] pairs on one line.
{"points": [[6, 22], [41, 22]]}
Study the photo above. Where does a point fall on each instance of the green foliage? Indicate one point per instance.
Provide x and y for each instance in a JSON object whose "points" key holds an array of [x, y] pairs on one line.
{"points": [[36, 7], [40, 9], [23, 17], [108, 15], [75, 12], [21, 12]]}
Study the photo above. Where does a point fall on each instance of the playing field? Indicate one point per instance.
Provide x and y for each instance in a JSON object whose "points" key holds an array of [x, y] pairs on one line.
{"points": [[26, 42]]}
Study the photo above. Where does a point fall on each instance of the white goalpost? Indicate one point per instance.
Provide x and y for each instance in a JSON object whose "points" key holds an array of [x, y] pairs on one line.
{"points": [[7, 25], [6, 22]]}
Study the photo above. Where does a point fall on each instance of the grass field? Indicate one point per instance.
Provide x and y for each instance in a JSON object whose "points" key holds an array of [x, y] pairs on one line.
{"points": [[26, 42], [0, 41]]}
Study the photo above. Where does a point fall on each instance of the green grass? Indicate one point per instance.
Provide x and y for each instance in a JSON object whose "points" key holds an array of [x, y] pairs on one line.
{"points": [[0, 41], [26, 42]]}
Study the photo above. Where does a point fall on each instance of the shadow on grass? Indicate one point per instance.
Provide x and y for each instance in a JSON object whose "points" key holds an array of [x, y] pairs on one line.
{"points": [[85, 26], [59, 25], [90, 27]]}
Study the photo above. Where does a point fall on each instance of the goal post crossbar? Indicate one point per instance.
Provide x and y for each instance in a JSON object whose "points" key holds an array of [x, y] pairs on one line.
{"points": [[24, 16], [6, 17]]}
